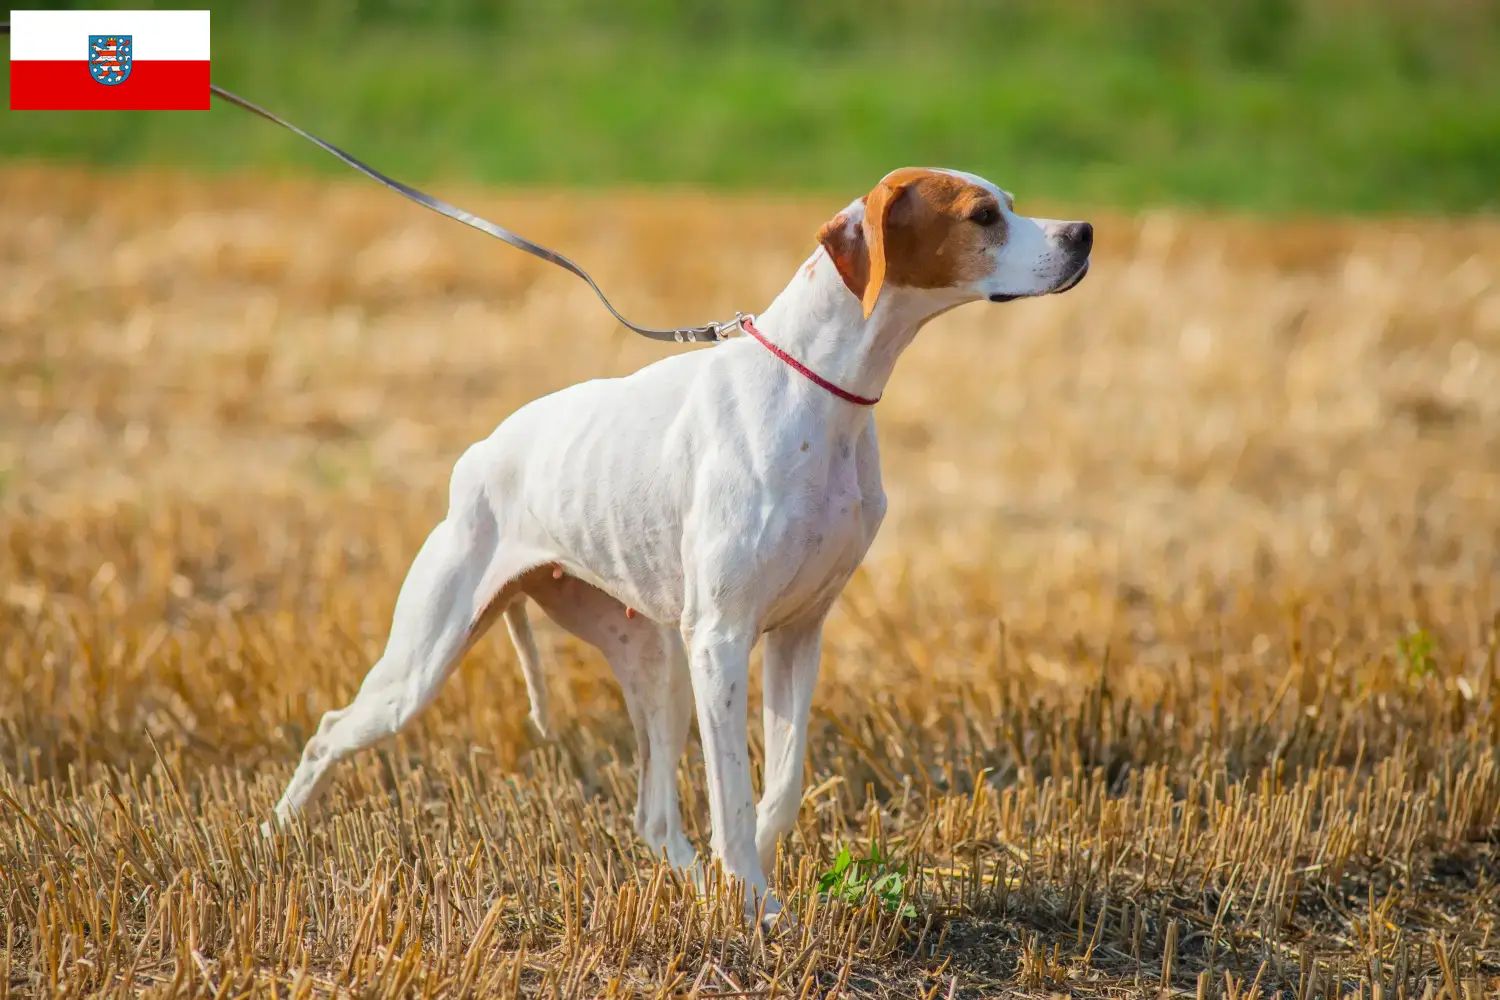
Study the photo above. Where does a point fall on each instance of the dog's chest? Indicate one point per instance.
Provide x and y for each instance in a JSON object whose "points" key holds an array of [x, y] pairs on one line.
{"points": [[827, 529]]}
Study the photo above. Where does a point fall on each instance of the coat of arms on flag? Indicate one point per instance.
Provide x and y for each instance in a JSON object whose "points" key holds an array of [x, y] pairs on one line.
{"points": [[109, 58]]}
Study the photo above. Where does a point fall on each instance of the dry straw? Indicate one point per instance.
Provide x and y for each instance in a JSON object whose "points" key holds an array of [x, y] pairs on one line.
{"points": [[1175, 669]]}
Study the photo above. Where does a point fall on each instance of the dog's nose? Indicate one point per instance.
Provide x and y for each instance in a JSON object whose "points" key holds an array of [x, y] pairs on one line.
{"points": [[1079, 236]]}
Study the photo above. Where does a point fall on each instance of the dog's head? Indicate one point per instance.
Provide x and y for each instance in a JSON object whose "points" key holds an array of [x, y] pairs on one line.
{"points": [[954, 234]]}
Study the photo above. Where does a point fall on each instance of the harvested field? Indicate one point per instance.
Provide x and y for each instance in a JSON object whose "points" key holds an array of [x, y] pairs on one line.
{"points": [[1175, 664]]}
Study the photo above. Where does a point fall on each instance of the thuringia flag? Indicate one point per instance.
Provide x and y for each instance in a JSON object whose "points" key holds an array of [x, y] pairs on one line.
{"points": [[94, 60]]}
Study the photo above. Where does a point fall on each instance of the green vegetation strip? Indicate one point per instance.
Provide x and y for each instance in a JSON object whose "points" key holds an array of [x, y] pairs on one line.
{"points": [[1266, 105]]}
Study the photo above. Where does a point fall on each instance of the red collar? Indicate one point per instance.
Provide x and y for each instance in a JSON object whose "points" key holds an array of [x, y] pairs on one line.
{"points": [[803, 370]]}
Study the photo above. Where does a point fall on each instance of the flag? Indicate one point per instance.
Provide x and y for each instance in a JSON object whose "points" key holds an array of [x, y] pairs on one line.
{"points": [[99, 60]]}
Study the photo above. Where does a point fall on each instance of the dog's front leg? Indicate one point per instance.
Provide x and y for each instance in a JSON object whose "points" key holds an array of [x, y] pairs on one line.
{"points": [[719, 658]]}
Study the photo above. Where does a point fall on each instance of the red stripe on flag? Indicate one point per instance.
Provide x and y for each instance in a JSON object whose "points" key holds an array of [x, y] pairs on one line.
{"points": [[67, 85]]}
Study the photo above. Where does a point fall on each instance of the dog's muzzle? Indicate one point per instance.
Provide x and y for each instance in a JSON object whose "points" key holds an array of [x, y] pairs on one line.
{"points": [[1069, 282], [1073, 279]]}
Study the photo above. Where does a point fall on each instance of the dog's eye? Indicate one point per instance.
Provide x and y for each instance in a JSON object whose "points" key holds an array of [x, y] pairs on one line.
{"points": [[985, 217]]}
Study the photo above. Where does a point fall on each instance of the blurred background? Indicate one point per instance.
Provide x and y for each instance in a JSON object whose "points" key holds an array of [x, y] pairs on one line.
{"points": [[1209, 538], [1282, 105]]}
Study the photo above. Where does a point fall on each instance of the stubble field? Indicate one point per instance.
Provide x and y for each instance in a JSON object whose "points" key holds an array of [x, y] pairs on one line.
{"points": [[1174, 666]]}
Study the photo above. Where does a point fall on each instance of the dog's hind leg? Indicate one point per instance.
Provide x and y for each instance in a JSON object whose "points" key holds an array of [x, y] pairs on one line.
{"points": [[519, 627], [651, 666], [671, 719], [457, 585], [658, 677]]}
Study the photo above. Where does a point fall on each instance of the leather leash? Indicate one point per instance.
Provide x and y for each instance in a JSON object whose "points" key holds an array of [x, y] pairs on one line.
{"points": [[708, 332]]}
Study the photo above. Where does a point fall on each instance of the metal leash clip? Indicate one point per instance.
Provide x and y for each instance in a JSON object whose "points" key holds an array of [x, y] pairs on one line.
{"points": [[717, 331]]}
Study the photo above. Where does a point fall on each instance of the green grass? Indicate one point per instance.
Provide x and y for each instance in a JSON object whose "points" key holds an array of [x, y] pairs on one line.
{"points": [[855, 880], [1269, 105]]}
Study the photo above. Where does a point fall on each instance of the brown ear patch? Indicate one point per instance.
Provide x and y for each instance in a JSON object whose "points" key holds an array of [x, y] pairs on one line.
{"points": [[917, 232], [930, 240], [846, 247], [878, 205]]}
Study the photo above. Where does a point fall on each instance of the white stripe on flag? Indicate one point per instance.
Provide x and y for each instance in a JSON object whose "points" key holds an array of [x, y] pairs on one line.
{"points": [[64, 34]]}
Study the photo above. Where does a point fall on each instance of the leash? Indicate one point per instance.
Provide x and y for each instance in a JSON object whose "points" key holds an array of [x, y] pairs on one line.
{"points": [[709, 332]]}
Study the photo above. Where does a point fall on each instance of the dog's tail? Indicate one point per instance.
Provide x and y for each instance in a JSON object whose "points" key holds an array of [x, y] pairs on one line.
{"points": [[519, 627]]}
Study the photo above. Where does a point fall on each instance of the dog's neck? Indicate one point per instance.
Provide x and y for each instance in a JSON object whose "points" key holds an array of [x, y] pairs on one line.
{"points": [[818, 321]]}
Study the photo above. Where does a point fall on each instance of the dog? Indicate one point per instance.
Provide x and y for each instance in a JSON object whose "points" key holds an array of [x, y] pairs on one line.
{"points": [[673, 517]]}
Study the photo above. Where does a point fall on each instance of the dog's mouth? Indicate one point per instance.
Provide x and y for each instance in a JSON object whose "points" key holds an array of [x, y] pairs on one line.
{"points": [[1067, 283], [1073, 279]]}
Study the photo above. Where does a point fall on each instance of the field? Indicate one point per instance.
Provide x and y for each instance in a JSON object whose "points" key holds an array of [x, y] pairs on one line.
{"points": [[1174, 666]]}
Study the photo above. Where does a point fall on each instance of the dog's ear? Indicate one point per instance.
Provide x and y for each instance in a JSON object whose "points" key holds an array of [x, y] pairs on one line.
{"points": [[844, 239], [877, 226], [858, 248]]}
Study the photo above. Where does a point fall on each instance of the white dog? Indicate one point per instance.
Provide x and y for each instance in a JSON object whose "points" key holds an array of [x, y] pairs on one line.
{"points": [[722, 494]]}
